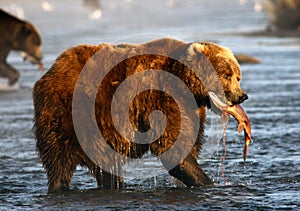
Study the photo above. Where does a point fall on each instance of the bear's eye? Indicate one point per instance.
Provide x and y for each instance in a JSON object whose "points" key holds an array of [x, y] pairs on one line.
{"points": [[228, 76]]}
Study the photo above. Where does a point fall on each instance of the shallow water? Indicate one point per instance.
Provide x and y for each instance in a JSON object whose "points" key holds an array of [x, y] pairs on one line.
{"points": [[270, 177]]}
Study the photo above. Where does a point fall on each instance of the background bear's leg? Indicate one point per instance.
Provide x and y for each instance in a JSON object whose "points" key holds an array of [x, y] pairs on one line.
{"points": [[6, 71], [190, 173], [107, 180]]}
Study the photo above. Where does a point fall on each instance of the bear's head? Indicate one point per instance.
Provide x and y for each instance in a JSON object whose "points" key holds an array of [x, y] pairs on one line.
{"points": [[226, 66], [28, 41]]}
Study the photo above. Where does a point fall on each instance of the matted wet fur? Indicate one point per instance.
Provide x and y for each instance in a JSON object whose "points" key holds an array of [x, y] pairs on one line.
{"points": [[57, 144]]}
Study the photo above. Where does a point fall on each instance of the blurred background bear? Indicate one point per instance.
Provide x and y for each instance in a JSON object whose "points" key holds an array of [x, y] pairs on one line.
{"points": [[20, 36]]}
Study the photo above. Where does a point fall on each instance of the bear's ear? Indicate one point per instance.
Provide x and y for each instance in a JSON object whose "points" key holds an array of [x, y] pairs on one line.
{"points": [[23, 32], [195, 48], [26, 30]]}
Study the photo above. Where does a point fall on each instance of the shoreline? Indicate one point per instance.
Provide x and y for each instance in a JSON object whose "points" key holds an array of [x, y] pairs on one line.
{"points": [[258, 33], [277, 33]]}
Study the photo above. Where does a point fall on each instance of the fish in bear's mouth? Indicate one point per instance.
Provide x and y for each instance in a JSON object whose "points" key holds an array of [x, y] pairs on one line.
{"points": [[33, 60], [238, 112]]}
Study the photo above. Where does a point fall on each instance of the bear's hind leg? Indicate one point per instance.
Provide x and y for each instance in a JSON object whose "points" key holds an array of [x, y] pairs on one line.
{"points": [[60, 168], [190, 173], [61, 179]]}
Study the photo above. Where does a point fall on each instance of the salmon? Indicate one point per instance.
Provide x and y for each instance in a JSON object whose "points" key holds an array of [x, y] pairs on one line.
{"points": [[238, 112], [40, 66]]}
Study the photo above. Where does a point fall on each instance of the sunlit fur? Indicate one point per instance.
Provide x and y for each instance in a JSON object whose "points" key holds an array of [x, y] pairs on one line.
{"points": [[57, 144]]}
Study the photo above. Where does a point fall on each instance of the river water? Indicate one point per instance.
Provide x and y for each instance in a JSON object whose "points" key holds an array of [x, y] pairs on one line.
{"points": [[268, 180]]}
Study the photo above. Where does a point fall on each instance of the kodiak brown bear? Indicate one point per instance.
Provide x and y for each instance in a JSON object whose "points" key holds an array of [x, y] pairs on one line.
{"points": [[20, 36], [64, 128]]}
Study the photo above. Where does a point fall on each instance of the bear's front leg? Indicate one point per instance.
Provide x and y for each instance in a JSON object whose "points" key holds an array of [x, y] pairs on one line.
{"points": [[190, 173], [6, 71], [107, 180]]}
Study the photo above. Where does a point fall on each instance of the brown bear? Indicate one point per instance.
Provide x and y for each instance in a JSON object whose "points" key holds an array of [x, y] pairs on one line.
{"points": [[64, 126], [21, 36]]}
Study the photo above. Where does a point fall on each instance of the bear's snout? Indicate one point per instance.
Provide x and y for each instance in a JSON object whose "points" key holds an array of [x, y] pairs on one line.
{"points": [[243, 97], [234, 98]]}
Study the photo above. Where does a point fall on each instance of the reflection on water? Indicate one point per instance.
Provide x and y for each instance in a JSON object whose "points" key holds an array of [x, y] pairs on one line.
{"points": [[270, 178]]}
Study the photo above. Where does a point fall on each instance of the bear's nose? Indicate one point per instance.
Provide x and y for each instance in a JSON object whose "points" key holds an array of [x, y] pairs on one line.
{"points": [[243, 97]]}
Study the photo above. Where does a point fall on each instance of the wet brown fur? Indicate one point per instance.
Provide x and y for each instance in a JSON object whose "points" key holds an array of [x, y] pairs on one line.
{"points": [[57, 144]]}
